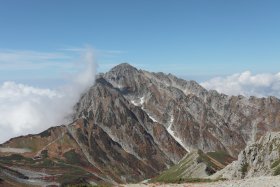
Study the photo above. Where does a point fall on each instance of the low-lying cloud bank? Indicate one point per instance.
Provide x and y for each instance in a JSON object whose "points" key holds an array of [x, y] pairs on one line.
{"points": [[25, 109], [247, 84]]}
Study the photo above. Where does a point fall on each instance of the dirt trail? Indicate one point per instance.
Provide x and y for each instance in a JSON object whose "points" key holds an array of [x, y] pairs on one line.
{"points": [[252, 182]]}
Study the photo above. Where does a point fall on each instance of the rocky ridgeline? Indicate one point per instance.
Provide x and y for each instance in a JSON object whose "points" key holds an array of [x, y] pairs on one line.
{"points": [[197, 118]]}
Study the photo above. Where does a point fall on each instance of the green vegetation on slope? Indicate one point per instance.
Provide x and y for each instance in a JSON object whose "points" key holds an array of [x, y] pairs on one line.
{"points": [[72, 157], [244, 169], [192, 167], [275, 163], [211, 166], [173, 174], [221, 156], [69, 173], [16, 159], [277, 171]]}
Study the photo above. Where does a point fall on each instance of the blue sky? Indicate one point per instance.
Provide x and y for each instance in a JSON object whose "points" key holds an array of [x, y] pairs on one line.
{"points": [[195, 39]]}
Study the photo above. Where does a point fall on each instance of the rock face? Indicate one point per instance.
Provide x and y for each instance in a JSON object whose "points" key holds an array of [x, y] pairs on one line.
{"points": [[133, 124], [194, 117], [257, 159]]}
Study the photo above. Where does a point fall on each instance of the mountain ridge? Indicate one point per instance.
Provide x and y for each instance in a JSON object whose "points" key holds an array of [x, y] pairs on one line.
{"points": [[133, 124]]}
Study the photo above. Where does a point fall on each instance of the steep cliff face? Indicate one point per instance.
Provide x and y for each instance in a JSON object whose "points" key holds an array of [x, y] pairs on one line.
{"points": [[193, 116], [128, 125], [105, 110], [260, 158]]}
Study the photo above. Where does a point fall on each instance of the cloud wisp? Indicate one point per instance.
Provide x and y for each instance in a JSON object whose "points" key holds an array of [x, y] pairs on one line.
{"points": [[247, 84], [20, 59], [25, 109]]}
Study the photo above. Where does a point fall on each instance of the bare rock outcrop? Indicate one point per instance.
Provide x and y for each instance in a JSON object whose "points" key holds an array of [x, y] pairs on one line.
{"points": [[261, 158]]}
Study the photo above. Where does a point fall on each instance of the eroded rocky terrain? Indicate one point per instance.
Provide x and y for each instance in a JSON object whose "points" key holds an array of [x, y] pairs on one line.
{"points": [[261, 158]]}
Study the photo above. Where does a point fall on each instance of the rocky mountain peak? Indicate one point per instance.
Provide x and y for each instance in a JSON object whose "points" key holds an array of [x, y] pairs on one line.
{"points": [[122, 69], [197, 118]]}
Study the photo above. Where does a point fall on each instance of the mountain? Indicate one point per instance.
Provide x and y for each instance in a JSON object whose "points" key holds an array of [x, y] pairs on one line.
{"points": [[133, 124], [195, 117]]}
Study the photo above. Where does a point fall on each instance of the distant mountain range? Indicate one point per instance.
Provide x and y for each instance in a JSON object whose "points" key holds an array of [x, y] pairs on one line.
{"points": [[132, 124]]}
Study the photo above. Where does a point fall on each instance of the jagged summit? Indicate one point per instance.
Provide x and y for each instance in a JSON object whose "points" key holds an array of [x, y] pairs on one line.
{"points": [[124, 65], [122, 69], [195, 117]]}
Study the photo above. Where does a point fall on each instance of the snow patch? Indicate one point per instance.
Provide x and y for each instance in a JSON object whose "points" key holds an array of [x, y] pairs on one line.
{"points": [[138, 101], [142, 99], [145, 181], [134, 102], [154, 120], [119, 86], [172, 133]]}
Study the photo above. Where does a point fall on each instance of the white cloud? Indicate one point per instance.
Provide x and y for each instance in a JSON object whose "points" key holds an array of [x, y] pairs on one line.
{"points": [[99, 52], [25, 109], [61, 59], [247, 84]]}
